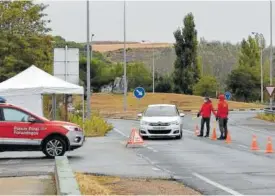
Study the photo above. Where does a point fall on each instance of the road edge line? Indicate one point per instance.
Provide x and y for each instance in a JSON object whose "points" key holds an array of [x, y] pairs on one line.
{"points": [[120, 132], [224, 188]]}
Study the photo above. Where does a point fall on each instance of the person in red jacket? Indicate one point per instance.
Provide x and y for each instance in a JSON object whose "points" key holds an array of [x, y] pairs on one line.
{"points": [[205, 112], [222, 117]]}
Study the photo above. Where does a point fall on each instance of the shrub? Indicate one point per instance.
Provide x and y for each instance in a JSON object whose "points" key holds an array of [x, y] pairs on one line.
{"points": [[267, 117], [93, 127]]}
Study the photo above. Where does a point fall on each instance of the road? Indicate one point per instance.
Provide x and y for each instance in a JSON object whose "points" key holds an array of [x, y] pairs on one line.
{"points": [[212, 167]]}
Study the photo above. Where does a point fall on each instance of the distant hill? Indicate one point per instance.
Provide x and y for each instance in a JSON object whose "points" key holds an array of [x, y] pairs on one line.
{"points": [[218, 58]]}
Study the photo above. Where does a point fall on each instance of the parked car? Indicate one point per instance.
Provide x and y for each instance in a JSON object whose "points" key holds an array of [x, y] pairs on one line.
{"points": [[21, 130], [161, 120]]}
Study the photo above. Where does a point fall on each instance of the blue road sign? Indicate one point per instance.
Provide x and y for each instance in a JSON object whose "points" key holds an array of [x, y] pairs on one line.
{"points": [[227, 95], [139, 92]]}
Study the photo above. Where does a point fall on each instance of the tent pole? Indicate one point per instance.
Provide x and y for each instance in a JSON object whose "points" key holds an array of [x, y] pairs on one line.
{"points": [[83, 111]]}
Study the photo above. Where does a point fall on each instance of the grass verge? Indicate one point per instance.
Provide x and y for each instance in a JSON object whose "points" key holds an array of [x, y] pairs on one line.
{"points": [[110, 185], [111, 105], [266, 117], [94, 127]]}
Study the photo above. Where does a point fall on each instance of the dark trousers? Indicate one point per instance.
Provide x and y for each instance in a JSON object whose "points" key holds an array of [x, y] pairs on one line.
{"points": [[223, 127], [203, 121]]}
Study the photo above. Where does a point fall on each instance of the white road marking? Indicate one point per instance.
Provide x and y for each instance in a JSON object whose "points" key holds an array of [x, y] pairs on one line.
{"points": [[224, 188], [243, 146], [188, 131], [150, 148], [121, 133], [156, 169]]}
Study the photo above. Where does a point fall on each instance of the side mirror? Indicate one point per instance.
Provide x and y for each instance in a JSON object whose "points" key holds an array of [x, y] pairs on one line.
{"points": [[31, 119], [182, 114], [139, 115]]}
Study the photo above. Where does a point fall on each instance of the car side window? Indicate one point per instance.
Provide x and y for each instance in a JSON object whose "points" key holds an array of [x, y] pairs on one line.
{"points": [[14, 115]]}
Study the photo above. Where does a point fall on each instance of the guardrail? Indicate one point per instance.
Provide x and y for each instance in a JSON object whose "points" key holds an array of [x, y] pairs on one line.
{"points": [[268, 111], [65, 181]]}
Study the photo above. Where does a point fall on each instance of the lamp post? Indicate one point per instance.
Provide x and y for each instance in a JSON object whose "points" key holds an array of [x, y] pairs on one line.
{"points": [[88, 64], [271, 52], [124, 57], [260, 39], [153, 66]]}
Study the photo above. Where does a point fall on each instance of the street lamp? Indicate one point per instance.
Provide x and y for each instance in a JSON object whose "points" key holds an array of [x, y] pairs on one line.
{"points": [[124, 56], [153, 69], [88, 64], [271, 52], [261, 43]]}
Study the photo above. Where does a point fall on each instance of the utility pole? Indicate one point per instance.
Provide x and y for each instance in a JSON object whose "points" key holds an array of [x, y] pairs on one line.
{"points": [[271, 53], [88, 64], [124, 55], [260, 39]]}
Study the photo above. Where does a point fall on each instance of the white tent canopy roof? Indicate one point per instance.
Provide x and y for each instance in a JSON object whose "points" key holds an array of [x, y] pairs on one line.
{"points": [[36, 81]]}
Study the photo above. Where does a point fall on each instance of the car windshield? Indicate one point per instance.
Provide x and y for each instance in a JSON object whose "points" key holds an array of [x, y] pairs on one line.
{"points": [[161, 111]]}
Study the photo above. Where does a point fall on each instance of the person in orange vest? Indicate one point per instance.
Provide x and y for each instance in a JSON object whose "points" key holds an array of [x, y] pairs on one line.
{"points": [[222, 117], [205, 112]]}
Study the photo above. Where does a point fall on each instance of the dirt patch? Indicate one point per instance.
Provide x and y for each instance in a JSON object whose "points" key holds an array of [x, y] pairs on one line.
{"points": [[31, 185], [111, 105], [109, 185]]}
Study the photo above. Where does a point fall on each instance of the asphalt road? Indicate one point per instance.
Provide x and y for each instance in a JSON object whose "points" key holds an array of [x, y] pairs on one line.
{"points": [[212, 167]]}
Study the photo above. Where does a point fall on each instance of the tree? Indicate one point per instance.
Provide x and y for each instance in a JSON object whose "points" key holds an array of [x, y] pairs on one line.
{"points": [[249, 53], [207, 86], [186, 72], [164, 84], [23, 38], [244, 84]]}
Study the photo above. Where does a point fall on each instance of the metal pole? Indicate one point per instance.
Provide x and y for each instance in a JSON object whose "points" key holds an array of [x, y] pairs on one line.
{"points": [[153, 70], [262, 88], [125, 80], [271, 52], [88, 64]]}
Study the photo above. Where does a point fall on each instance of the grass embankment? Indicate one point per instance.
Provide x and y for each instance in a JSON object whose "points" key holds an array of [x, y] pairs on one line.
{"points": [[94, 127], [110, 185], [111, 105], [266, 117]]}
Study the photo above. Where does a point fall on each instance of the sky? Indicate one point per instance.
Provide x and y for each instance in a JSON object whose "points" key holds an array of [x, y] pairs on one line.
{"points": [[156, 21]]}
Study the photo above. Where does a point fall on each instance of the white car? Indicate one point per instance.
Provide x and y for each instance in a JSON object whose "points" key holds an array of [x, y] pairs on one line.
{"points": [[161, 120]]}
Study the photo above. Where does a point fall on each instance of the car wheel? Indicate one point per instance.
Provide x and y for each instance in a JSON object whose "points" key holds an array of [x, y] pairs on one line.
{"points": [[180, 136], [54, 146]]}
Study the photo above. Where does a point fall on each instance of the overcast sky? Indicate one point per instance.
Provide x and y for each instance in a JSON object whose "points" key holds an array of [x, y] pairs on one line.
{"points": [[156, 20]]}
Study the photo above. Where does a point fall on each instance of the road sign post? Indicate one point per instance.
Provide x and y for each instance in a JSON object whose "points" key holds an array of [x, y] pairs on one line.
{"points": [[227, 95], [139, 93], [270, 91]]}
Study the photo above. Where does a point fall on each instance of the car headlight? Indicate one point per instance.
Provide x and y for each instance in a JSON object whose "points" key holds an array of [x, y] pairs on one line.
{"points": [[72, 128], [142, 122], [174, 123]]}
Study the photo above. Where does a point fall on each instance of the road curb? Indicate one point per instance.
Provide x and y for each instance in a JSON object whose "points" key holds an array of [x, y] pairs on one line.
{"points": [[65, 181]]}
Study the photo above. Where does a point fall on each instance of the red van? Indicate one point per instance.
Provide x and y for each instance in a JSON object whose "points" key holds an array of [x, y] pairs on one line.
{"points": [[21, 130]]}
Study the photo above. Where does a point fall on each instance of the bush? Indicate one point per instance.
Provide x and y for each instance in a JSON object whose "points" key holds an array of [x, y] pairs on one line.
{"points": [[96, 126], [267, 117]]}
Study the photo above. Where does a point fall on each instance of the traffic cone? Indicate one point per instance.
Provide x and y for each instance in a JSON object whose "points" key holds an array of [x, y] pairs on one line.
{"points": [[254, 145], [214, 135], [135, 138], [197, 131], [228, 138], [269, 148]]}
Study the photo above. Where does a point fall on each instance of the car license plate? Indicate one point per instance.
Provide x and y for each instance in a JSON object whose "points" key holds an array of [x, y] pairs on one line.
{"points": [[159, 128]]}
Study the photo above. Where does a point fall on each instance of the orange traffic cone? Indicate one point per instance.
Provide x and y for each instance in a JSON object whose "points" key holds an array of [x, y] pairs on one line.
{"points": [[197, 131], [135, 138], [254, 145], [228, 138], [214, 135], [269, 148]]}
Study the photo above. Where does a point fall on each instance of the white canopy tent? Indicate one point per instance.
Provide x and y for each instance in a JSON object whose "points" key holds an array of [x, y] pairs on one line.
{"points": [[26, 89]]}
